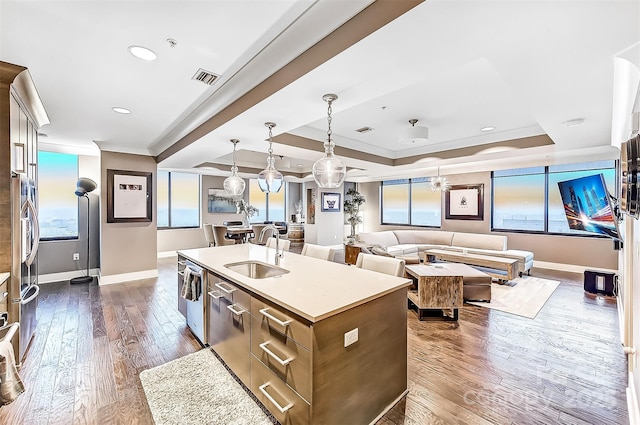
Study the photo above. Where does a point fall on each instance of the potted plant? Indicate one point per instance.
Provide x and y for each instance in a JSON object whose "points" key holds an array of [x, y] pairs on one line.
{"points": [[352, 203], [243, 207]]}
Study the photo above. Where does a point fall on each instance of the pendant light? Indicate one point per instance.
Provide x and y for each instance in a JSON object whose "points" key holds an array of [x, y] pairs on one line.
{"points": [[329, 171], [417, 132], [270, 180], [439, 183], [234, 184]]}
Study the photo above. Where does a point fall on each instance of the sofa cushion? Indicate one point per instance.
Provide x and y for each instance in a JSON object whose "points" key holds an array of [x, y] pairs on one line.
{"points": [[406, 248], [479, 241], [424, 237], [384, 239]]}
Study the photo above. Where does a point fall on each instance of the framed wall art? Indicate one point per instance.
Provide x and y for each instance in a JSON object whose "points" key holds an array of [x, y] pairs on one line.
{"points": [[331, 202], [218, 201], [465, 202], [129, 196]]}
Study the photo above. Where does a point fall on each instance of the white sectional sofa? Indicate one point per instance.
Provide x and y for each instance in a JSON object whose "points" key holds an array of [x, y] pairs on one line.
{"points": [[406, 242]]}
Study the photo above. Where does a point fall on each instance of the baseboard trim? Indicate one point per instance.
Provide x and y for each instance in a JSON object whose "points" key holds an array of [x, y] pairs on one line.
{"points": [[126, 277], [632, 402], [59, 277], [165, 254], [569, 267]]}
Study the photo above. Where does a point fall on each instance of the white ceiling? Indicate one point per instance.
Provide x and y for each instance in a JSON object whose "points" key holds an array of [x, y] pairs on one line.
{"points": [[456, 66]]}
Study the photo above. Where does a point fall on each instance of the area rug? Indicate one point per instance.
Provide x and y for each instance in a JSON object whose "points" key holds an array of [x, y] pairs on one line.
{"points": [[523, 296], [198, 389]]}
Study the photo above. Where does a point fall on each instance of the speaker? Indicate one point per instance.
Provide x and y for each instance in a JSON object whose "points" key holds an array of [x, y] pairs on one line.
{"points": [[597, 282]]}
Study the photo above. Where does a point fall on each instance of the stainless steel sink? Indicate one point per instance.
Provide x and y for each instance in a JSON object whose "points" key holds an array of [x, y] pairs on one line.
{"points": [[256, 269]]}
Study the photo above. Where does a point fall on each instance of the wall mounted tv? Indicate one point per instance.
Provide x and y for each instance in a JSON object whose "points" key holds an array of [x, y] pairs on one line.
{"points": [[588, 206]]}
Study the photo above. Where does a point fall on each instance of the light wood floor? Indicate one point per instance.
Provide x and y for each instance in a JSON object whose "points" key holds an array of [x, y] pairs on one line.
{"points": [[565, 366]]}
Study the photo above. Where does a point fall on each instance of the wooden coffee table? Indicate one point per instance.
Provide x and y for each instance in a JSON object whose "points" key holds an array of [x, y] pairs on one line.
{"points": [[437, 290], [509, 265]]}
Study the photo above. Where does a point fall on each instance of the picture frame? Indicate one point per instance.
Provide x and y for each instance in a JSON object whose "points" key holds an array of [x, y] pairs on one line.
{"points": [[330, 202], [129, 196], [465, 202], [218, 201]]}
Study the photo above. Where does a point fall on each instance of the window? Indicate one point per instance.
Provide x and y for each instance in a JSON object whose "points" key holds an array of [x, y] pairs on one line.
{"points": [[58, 204], [179, 200], [395, 202], [518, 199], [528, 199], [270, 206], [410, 201]]}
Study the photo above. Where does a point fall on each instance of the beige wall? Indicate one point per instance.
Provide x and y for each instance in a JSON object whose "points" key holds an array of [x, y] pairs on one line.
{"points": [[589, 252], [127, 247]]}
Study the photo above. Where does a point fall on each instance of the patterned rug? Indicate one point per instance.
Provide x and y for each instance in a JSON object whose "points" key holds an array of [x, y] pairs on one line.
{"points": [[197, 389], [523, 296]]}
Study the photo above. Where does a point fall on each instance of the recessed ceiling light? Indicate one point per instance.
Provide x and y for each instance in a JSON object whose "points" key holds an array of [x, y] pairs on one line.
{"points": [[142, 53], [120, 110], [573, 122], [299, 165], [488, 128]]}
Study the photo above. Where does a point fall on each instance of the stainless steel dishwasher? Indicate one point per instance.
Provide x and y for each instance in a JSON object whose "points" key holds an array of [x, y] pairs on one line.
{"points": [[195, 309]]}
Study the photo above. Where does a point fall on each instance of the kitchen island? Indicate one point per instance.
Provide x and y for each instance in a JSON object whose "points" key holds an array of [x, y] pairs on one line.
{"points": [[321, 343]]}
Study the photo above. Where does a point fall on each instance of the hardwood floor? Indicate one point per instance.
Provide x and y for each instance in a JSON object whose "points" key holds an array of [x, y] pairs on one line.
{"points": [[565, 366]]}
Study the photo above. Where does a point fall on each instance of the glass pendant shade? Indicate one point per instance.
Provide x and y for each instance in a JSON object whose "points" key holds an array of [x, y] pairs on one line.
{"points": [[329, 171], [234, 185], [270, 180]]}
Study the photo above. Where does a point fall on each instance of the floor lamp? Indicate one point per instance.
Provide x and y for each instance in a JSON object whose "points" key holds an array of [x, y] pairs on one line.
{"points": [[85, 186]]}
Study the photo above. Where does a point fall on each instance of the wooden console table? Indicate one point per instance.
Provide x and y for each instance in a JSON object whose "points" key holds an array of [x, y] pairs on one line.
{"points": [[436, 291], [509, 265]]}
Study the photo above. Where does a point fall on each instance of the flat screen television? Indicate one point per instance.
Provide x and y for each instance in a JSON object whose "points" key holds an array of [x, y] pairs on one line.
{"points": [[588, 206]]}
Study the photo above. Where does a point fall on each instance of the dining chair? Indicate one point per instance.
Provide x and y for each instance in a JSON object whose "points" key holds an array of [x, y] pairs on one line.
{"points": [[284, 243], [257, 228], [208, 234], [219, 234], [388, 265], [238, 237], [317, 251]]}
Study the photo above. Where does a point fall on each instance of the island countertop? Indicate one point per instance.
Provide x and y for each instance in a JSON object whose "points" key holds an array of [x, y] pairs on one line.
{"points": [[313, 289]]}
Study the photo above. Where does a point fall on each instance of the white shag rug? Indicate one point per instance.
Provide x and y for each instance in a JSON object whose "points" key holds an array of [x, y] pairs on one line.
{"points": [[197, 389], [523, 296]]}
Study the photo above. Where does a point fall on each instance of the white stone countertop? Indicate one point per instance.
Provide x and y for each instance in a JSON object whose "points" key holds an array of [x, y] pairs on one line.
{"points": [[314, 289]]}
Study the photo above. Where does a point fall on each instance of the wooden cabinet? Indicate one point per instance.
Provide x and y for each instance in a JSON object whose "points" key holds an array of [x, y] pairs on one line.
{"points": [[351, 254], [296, 233]]}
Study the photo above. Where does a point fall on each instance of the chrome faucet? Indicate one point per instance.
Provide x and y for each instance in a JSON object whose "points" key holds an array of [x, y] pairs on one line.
{"points": [[279, 254]]}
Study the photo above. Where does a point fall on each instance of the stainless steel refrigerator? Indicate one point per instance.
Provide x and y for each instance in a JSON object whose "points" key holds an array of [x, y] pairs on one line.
{"points": [[23, 286]]}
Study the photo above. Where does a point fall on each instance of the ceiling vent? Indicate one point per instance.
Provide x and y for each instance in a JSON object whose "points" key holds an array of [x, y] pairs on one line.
{"points": [[205, 76], [364, 130]]}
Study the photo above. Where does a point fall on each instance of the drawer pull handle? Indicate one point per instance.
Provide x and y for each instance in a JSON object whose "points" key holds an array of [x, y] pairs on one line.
{"points": [[225, 290], [275, 319], [275, 357], [182, 263], [216, 295], [236, 312], [181, 273], [263, 390]]}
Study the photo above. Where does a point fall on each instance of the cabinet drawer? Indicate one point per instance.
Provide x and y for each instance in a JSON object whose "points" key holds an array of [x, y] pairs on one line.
{"points": [[231, 292], [281, 400], [228, 333], [282, 322], [289, 361]]}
